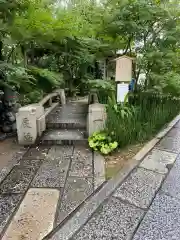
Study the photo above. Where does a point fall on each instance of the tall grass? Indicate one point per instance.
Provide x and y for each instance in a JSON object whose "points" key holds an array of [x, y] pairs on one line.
{"points": [[148, 115]]}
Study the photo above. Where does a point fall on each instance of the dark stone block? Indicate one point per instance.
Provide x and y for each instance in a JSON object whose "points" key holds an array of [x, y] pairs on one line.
{"points": [[18, 179], [162, 221], [115, 220], [52, 173], [39, 152], [8, 204], [76, 191]]}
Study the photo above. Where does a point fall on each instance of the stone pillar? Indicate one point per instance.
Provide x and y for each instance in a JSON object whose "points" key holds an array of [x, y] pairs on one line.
{"points": [[62, 95], [26, 119], [96, 118]]}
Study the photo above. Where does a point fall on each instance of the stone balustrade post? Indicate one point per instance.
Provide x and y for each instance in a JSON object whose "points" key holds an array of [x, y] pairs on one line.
{"points": [[26, 118], [96, 118]]}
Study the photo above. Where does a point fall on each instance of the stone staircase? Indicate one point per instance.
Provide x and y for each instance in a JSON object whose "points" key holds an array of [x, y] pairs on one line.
{"points": [[66, 125]]}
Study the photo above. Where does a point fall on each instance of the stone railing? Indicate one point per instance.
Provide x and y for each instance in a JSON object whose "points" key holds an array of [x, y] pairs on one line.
{"points": [[96, 114], [31, 119]]}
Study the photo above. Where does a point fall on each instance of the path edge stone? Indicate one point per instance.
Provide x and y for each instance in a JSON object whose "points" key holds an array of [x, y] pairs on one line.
{"points": [[99, 170], [81, 217]]}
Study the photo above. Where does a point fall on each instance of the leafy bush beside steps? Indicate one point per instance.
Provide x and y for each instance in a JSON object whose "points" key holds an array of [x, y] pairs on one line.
{"points": [[102, 142]]}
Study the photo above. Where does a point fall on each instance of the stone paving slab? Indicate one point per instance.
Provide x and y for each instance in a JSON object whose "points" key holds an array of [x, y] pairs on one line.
{"points": [[171, 184], [81, 217], [29, 163], [174, 132], [54, 135], [162, 221], [140, 187], [81, 162], [59, 152], [158, 161], [177, 125], [35, 216], [52, 173], [8, 160], [18, 180], [10, 152], [38, 152], [8, 204], [99, 170], [115, 220], [170, 144], [76, 191]]}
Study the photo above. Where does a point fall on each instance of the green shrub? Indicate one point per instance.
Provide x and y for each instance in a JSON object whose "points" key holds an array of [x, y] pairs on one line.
{"points": [[140, 121], [32, 97], [101, 141], [103, 88]]}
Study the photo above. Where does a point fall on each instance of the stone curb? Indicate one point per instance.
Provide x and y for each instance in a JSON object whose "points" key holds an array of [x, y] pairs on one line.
{"points": [[71, 226], [99, 170]]}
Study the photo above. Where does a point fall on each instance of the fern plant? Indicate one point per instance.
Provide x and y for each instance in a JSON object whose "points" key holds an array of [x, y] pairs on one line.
{"points": [[16, 77], [46, 79]]}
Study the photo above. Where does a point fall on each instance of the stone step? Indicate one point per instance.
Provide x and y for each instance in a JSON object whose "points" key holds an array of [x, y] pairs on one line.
{"points": [[64, 137], [77, 108], [69, 116], [71, 122]]}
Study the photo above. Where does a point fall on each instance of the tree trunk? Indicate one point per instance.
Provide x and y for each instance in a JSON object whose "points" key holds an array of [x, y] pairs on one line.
{"points": [[1, 53], [23, 50]]}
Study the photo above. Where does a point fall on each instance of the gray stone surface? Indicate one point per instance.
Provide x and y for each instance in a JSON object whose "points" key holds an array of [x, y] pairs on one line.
{"points": [[115, 220], [171, 184], [140, 187], [10, 159], [59, 152], [177, 125], [8, 204], [38, 152], [81, 162], [70, 115], [29, 163], [158, 161], [174, 132], [18, 180], [52, 173], [170, 144], [4, 172], [35, 216], [142, 153], [99, 170], [58, 135], [76, 191], [84, 214], [162, 221]]}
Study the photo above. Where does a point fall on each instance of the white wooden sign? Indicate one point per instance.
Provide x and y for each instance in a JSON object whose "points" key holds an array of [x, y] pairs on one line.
{"points": [[122, 91], [123, 69]]}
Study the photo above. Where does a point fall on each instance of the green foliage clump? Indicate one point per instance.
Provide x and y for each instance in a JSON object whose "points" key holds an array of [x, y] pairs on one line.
{"points": [[140, 121], [16, 77], [34, 96], [101, 141], [103, 88], [46, 79]]}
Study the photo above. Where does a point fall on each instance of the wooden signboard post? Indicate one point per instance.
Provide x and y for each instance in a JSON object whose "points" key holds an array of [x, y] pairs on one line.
{"points": [[123, 76]]}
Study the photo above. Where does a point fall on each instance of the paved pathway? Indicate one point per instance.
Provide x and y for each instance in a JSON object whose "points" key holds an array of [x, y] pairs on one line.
{"points": [[65, 171], [41, 189], [146, 206]]}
